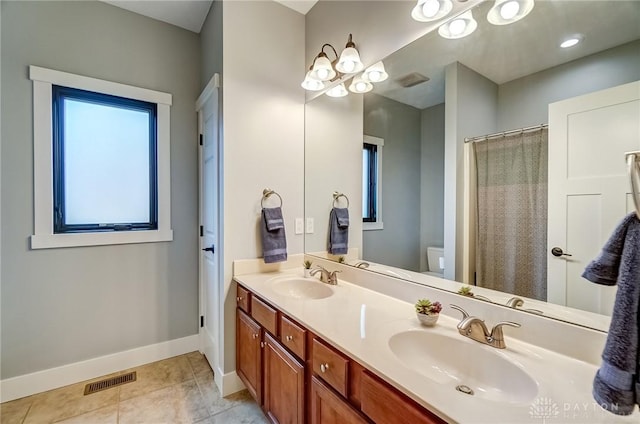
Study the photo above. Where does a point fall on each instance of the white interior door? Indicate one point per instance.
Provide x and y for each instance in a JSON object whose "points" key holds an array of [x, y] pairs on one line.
{"points": [[589, 187], [210, 279]]}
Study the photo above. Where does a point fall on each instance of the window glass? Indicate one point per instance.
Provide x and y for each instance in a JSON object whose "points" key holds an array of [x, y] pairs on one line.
{"points": [[104, 162]]}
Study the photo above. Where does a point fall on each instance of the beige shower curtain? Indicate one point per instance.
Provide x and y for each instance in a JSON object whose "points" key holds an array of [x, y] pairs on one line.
{"points": [[512, 214]]}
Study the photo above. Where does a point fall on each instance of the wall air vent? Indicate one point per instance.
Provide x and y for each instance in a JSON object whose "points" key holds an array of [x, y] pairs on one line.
{"points": [[108, 383], [412, 79]]}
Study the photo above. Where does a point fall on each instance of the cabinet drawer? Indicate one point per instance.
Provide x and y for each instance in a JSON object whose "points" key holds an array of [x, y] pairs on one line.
{"points": [[384, 405], [264, 314], [331, 366], [243, 299], [293, 337]]}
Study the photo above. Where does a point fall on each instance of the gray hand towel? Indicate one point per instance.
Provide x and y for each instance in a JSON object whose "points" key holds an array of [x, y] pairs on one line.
{"points": [[616, 386], [274, 240], [273, 217], [339, 231]]}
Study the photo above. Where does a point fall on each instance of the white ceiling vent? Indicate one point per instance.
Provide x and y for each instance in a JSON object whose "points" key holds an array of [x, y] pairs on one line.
{"points": [[412, 79]]}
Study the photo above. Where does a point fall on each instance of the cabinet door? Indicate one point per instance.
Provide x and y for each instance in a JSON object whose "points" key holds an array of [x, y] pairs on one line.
{"points": [[283, 384], [329, 408], [249, 354], [385, 405]]}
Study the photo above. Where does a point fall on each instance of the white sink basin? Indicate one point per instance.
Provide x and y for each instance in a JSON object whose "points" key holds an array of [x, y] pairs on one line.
{"points": [[454, 363], [301, 288]]}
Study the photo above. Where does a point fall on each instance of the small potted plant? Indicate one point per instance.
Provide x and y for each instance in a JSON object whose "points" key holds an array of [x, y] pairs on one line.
{"points": [[465, 291], [340, 259], [307, 268], [428, 312]]}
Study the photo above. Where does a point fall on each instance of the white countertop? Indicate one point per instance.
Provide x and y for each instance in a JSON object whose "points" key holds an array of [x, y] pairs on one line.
{"points": [[359, 322]]}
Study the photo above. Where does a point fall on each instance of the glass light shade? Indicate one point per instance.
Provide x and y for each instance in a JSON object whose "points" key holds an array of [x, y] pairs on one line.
{"points": [[375, 73], [506, 12], [349, 61], [459, 27], [312, 84], [322, 69], [431, 10], [360, 85], [337, 91]]}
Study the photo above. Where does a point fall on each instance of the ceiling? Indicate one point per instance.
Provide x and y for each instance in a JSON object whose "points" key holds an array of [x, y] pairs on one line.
{"points": [[505, 53], [190, 14]]}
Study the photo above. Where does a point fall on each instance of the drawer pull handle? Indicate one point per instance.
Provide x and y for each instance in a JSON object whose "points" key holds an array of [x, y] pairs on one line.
{"points": [[261, 344], [288, 338], [324, 367], [255, 336], [239, 298]]}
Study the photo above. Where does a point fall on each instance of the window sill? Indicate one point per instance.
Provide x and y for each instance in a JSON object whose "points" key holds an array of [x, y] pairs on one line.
{"points": [[369, 226], [51, 241]]}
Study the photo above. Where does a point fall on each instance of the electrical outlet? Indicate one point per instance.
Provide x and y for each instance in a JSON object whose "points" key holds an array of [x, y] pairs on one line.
{"points": [[309, 225], [299, 226]]}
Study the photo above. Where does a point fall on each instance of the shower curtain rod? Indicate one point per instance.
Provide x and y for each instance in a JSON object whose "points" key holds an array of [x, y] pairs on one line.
{"points": [[505, 133]]}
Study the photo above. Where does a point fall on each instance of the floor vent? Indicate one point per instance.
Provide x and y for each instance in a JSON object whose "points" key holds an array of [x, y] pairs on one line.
{"points": [[129, 377]]}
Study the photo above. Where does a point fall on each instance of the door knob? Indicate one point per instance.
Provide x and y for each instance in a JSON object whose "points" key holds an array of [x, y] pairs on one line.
{"points": [[556, 251], [211, 249]]}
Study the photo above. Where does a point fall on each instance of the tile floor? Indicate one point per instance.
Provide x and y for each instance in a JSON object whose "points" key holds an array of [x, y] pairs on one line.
{"points": [[174, 391]]}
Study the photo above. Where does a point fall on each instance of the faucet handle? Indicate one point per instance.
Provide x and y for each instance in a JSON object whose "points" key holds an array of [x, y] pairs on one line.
{"points": [[465, 314], [496, 331]]}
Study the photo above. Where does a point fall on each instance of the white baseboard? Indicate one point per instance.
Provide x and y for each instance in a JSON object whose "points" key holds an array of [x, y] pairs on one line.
{"points": [[29, 384], [228, 383]]}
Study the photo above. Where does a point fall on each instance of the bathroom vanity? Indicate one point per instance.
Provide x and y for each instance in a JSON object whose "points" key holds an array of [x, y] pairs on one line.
{"points": [[310, 352], [297, 376]]}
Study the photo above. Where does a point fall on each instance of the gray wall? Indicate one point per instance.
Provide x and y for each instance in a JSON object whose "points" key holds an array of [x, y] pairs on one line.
{"points": [[432, 181], [61, 306], [399, 125], [470, 109], [263, 135], [211, 43], [525, 101]]}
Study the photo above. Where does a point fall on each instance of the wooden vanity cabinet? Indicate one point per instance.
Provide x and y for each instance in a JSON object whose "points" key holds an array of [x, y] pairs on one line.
{"points": [[274, 377], [249, 354], [283, 384], [296, 377], [329, 408], [385, 405]]}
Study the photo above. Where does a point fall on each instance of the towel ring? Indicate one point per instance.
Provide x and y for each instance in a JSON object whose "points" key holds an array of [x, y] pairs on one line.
{"points": [[633, 161], [265, 195], [337, 196]]}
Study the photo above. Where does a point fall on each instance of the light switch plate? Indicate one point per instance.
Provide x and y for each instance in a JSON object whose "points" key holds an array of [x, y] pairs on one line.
{"points": [[299, 226], [309, 225]]}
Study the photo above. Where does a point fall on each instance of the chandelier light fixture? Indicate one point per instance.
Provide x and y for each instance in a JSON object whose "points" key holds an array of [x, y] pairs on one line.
{"points": [[459, 27], [506, 12], [337, 91], [360, 85], [431, 10], [503, 12], [323, 71], [375, 73]]}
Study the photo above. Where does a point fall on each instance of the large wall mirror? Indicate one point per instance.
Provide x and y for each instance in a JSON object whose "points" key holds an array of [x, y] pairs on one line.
{"points": [[471, 132]]}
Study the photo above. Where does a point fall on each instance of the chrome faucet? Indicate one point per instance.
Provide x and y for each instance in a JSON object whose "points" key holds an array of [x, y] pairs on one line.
{"points": [[325, 275], [475, 329], [362, 264]]}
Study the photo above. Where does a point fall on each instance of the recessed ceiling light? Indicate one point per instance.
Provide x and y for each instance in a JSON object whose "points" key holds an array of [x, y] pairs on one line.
{"points": [[572, 41]]}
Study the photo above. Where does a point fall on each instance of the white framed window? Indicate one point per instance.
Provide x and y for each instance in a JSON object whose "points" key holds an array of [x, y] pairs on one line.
{"points": [[372, 183], [101, 162]]}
